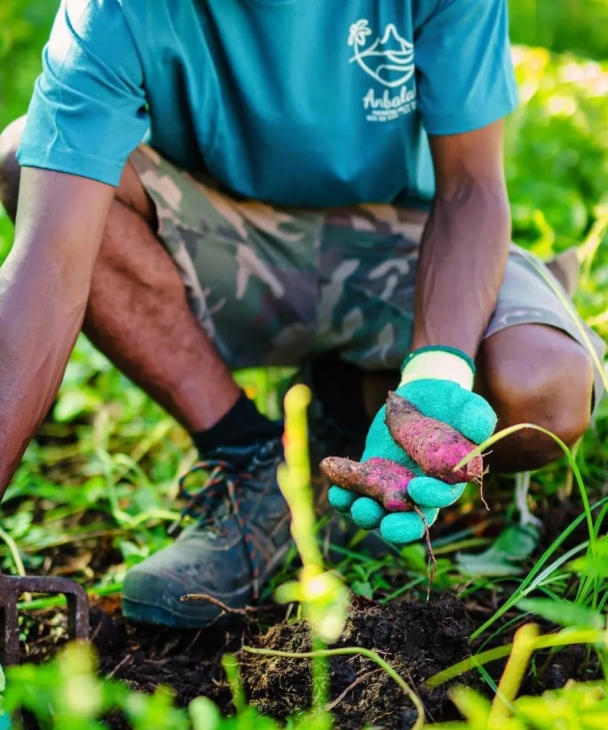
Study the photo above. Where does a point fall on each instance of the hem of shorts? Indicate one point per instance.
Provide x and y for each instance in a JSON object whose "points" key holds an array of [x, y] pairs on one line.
{"points": [[154, 158]]}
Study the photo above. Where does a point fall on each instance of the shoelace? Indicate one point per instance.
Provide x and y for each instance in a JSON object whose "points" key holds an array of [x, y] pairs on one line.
{"points": [[222, 484]]}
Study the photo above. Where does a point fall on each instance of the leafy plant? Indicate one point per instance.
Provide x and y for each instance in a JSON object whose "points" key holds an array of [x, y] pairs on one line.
{"points": [[68, 694], [581, 706]]}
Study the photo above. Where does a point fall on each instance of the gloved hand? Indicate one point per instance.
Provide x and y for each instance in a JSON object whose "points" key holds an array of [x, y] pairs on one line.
{"points": [[439, 382]]}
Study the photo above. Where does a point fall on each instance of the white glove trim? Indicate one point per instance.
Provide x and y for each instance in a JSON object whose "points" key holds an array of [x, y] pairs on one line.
{"points": [[439, 365]]}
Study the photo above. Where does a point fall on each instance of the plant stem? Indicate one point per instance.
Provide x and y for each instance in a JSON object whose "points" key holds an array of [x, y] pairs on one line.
{"points": [[409, 692], [573, 465], [320, 675], [231, 667], [295, 479], [535, 576], [564, 638], [510, 682], [14, 551]]}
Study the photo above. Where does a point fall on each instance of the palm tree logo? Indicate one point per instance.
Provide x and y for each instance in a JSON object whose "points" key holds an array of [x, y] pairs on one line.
{"points": [[357, 33], [389, 59]]}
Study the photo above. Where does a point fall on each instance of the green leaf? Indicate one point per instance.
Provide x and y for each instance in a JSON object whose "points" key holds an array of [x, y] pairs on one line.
{"points": [[204, 714], [362, 588], [517, 543], [563, 613], [474, 706], [596, 566], [577, 705], [513, 545], [74, 402], [487, 564], [322, 721]]}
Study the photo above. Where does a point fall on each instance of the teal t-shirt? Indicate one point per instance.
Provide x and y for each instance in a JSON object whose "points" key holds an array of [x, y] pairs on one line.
{"points": [[298, 102]]}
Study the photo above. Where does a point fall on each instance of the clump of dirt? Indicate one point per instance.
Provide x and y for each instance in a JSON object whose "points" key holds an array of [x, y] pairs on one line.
{"points": [[417, 639]]}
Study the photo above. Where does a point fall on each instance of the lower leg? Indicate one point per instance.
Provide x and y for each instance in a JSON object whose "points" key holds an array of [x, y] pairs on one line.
{"points": [[535, 374], [138, 316]]}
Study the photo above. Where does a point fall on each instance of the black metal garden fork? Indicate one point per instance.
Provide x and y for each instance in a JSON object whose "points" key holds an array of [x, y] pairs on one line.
{"points": [[11, 589]]}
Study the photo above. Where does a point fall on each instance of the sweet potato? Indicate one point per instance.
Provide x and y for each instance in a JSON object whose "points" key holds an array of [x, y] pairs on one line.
{"points": [[436, 447], [380, 479]]}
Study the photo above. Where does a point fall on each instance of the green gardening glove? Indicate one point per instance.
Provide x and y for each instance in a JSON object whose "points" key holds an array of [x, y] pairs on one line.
{"points": [[439, 382]]}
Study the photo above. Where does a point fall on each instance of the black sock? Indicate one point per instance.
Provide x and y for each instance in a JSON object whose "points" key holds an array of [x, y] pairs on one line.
{"points": [[241, 426]]}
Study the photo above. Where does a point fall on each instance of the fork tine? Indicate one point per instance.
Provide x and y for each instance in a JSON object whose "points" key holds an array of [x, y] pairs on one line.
{"points": [[9, 623], [11, 587], [78, 612]]}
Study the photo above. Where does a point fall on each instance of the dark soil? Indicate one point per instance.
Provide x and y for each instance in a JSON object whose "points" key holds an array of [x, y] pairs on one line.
{"points": [[417, 640]]}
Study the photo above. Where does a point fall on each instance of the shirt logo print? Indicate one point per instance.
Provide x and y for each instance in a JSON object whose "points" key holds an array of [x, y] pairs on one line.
{"points": [[389, 59]]}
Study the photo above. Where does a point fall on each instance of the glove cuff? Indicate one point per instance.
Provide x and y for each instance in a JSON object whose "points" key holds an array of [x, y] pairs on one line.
{"points": [[441, 363]]}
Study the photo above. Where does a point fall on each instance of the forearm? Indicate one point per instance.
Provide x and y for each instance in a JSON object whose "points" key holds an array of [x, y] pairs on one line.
{"points": [[44, 287], [39, 323], [463, 255]]}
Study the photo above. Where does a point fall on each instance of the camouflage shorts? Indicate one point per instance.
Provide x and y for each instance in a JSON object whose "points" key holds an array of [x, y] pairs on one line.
{"points": [[273, 285]]}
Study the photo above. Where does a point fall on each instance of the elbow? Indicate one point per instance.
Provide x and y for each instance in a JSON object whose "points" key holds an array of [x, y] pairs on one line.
{"points": [[490, 190], [481, 198], [10, 170]]}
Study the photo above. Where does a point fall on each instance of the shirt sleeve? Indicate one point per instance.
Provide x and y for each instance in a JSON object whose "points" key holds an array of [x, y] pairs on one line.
{"points": [[88, 109], [465, 75]]}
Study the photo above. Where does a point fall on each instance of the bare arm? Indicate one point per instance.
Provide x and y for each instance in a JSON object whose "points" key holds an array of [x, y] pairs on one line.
{"points": [[465, 243], [44, 286]]}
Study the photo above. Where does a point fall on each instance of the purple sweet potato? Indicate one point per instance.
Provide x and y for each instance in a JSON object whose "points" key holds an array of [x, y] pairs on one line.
{"points": [[436, 447], [380, 479]]}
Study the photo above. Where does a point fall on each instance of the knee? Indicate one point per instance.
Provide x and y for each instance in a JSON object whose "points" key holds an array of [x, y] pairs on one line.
{"points": [[549, 386], [10, 169]]}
